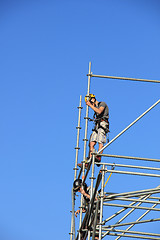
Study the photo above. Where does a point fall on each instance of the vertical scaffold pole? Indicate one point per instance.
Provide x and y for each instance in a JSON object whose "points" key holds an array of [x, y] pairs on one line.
{"points": [[92, 181], [72, 233], [86, 122], [78, 134], [92, 176], [85, 144], [101, 206]]}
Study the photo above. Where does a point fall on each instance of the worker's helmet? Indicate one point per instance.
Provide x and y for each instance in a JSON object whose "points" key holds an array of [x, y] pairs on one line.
{"points": [[77, 184], [89, 97]]}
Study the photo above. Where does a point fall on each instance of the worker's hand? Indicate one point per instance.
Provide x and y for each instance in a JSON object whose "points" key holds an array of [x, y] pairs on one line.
{"points": [[77, 212], [88, 103], [81, 190]]}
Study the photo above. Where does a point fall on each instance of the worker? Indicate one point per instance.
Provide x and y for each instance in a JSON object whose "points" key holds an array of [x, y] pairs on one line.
{"points": [[77, 186], [85, 191], [101, 128], [101, 115]]}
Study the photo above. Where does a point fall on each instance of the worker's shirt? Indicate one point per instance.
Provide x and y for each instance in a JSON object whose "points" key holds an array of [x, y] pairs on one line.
{"points": [[86, 200], [105, 113]]}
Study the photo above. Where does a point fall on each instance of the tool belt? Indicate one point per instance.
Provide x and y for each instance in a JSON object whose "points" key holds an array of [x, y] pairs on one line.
{"points": [[99, 126]]}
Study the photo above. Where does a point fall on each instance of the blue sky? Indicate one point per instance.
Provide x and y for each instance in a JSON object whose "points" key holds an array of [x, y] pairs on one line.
{"points": [[45, 50]]}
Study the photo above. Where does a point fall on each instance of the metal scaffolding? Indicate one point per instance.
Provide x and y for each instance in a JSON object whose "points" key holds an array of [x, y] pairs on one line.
{"points": [[141, 202]]}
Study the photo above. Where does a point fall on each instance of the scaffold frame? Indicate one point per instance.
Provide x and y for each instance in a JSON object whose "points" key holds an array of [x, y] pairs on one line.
{"points": [[128, 202]]}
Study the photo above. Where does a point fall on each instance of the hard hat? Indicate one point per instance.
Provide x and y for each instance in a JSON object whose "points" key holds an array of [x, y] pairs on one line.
{"points": [[88, 98], [77, 184]]}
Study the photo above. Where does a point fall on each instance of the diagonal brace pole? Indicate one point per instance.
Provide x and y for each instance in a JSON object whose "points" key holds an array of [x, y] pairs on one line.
{"points": [[130, 125]]}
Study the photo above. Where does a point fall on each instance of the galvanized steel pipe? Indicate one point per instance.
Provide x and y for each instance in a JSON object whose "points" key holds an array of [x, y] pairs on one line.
{"points": [[124, 78], [78, 134], [129, 157], [130, 125]]}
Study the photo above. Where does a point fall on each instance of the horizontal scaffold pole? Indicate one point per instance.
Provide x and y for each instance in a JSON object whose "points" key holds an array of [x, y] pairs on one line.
{"points": [[142, 194], [134, 232], [127, 206], [133, 236], [135, 222], [157, 198], [124, 78], [134, 173], [131, 166], [129, 157], [134, 193], [132, 200]]}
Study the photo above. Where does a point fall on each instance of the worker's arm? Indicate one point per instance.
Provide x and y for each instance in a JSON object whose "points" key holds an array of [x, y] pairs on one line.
{"points": [[84, 193], [78, 211], [97, 110]]}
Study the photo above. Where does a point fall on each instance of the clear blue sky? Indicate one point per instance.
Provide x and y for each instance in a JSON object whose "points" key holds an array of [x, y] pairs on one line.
{"points": [[45, 49]]}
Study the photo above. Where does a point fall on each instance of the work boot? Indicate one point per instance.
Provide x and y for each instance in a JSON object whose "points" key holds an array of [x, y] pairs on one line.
{"points": [[98, 160], [81, 165]]}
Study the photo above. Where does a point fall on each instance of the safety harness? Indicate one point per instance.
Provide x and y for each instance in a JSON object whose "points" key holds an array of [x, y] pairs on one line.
{"points": [[98, 121]]}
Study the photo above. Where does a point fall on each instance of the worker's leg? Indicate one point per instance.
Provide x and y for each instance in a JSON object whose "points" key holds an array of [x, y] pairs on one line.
{"points": [[101, 139], [100, 147], [92, 142], [91, 148], [98, 158]]}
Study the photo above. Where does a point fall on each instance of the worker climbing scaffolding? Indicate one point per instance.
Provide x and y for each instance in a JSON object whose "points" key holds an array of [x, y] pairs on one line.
{"points": [[101, 128], [85, 191], [79, 186]]}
